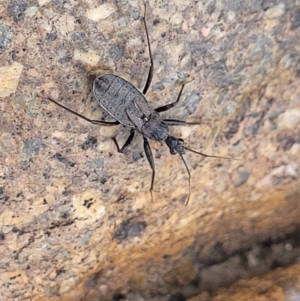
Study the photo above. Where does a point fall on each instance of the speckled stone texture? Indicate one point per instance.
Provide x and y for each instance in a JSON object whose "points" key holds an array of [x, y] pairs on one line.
{"points": [[76, 217]]}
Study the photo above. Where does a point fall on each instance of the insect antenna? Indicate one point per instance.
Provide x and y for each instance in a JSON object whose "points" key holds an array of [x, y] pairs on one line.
{"points": [[189, 174], [188, 171], [208, 156]]}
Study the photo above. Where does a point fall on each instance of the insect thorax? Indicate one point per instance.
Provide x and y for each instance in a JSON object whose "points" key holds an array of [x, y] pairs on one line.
{"points": [[155, 128]]}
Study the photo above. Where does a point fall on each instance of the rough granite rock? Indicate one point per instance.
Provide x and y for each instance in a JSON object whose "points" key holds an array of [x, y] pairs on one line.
{"points": [[76, 217]]}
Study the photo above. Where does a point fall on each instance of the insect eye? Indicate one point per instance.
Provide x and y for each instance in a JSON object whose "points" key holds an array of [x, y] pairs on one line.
{"points": [[173, 151]]}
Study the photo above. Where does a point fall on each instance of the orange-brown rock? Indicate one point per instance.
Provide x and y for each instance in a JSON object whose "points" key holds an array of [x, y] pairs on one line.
{"points": [[76, 217]]}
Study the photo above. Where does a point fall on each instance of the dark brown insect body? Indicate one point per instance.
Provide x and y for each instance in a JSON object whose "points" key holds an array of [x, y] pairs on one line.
{"points": [[129, 106]]}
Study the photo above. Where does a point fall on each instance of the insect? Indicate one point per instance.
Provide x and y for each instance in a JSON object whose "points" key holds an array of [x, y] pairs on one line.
{"points": [[129, 106]]}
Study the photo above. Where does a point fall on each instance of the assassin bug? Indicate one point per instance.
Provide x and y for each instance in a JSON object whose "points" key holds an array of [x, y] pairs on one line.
{"points": [[129, 106]]}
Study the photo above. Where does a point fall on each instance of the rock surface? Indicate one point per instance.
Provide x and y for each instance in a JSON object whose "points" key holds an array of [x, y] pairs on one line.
{"points": [[76, 217]]}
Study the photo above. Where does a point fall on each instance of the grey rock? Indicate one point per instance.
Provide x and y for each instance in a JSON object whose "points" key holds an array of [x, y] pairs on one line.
{"points": [[33, 146], [240, 176], [6, 36]]}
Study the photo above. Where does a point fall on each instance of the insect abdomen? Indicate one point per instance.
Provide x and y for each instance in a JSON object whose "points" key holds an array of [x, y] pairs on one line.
{"points": [[116, 96]]}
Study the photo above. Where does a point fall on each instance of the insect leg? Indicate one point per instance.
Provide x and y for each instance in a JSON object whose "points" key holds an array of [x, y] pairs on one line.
{"points": [[174, 122], [150, 74], [126, 144], [170, 105], [99, 122], [149, 156]]}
